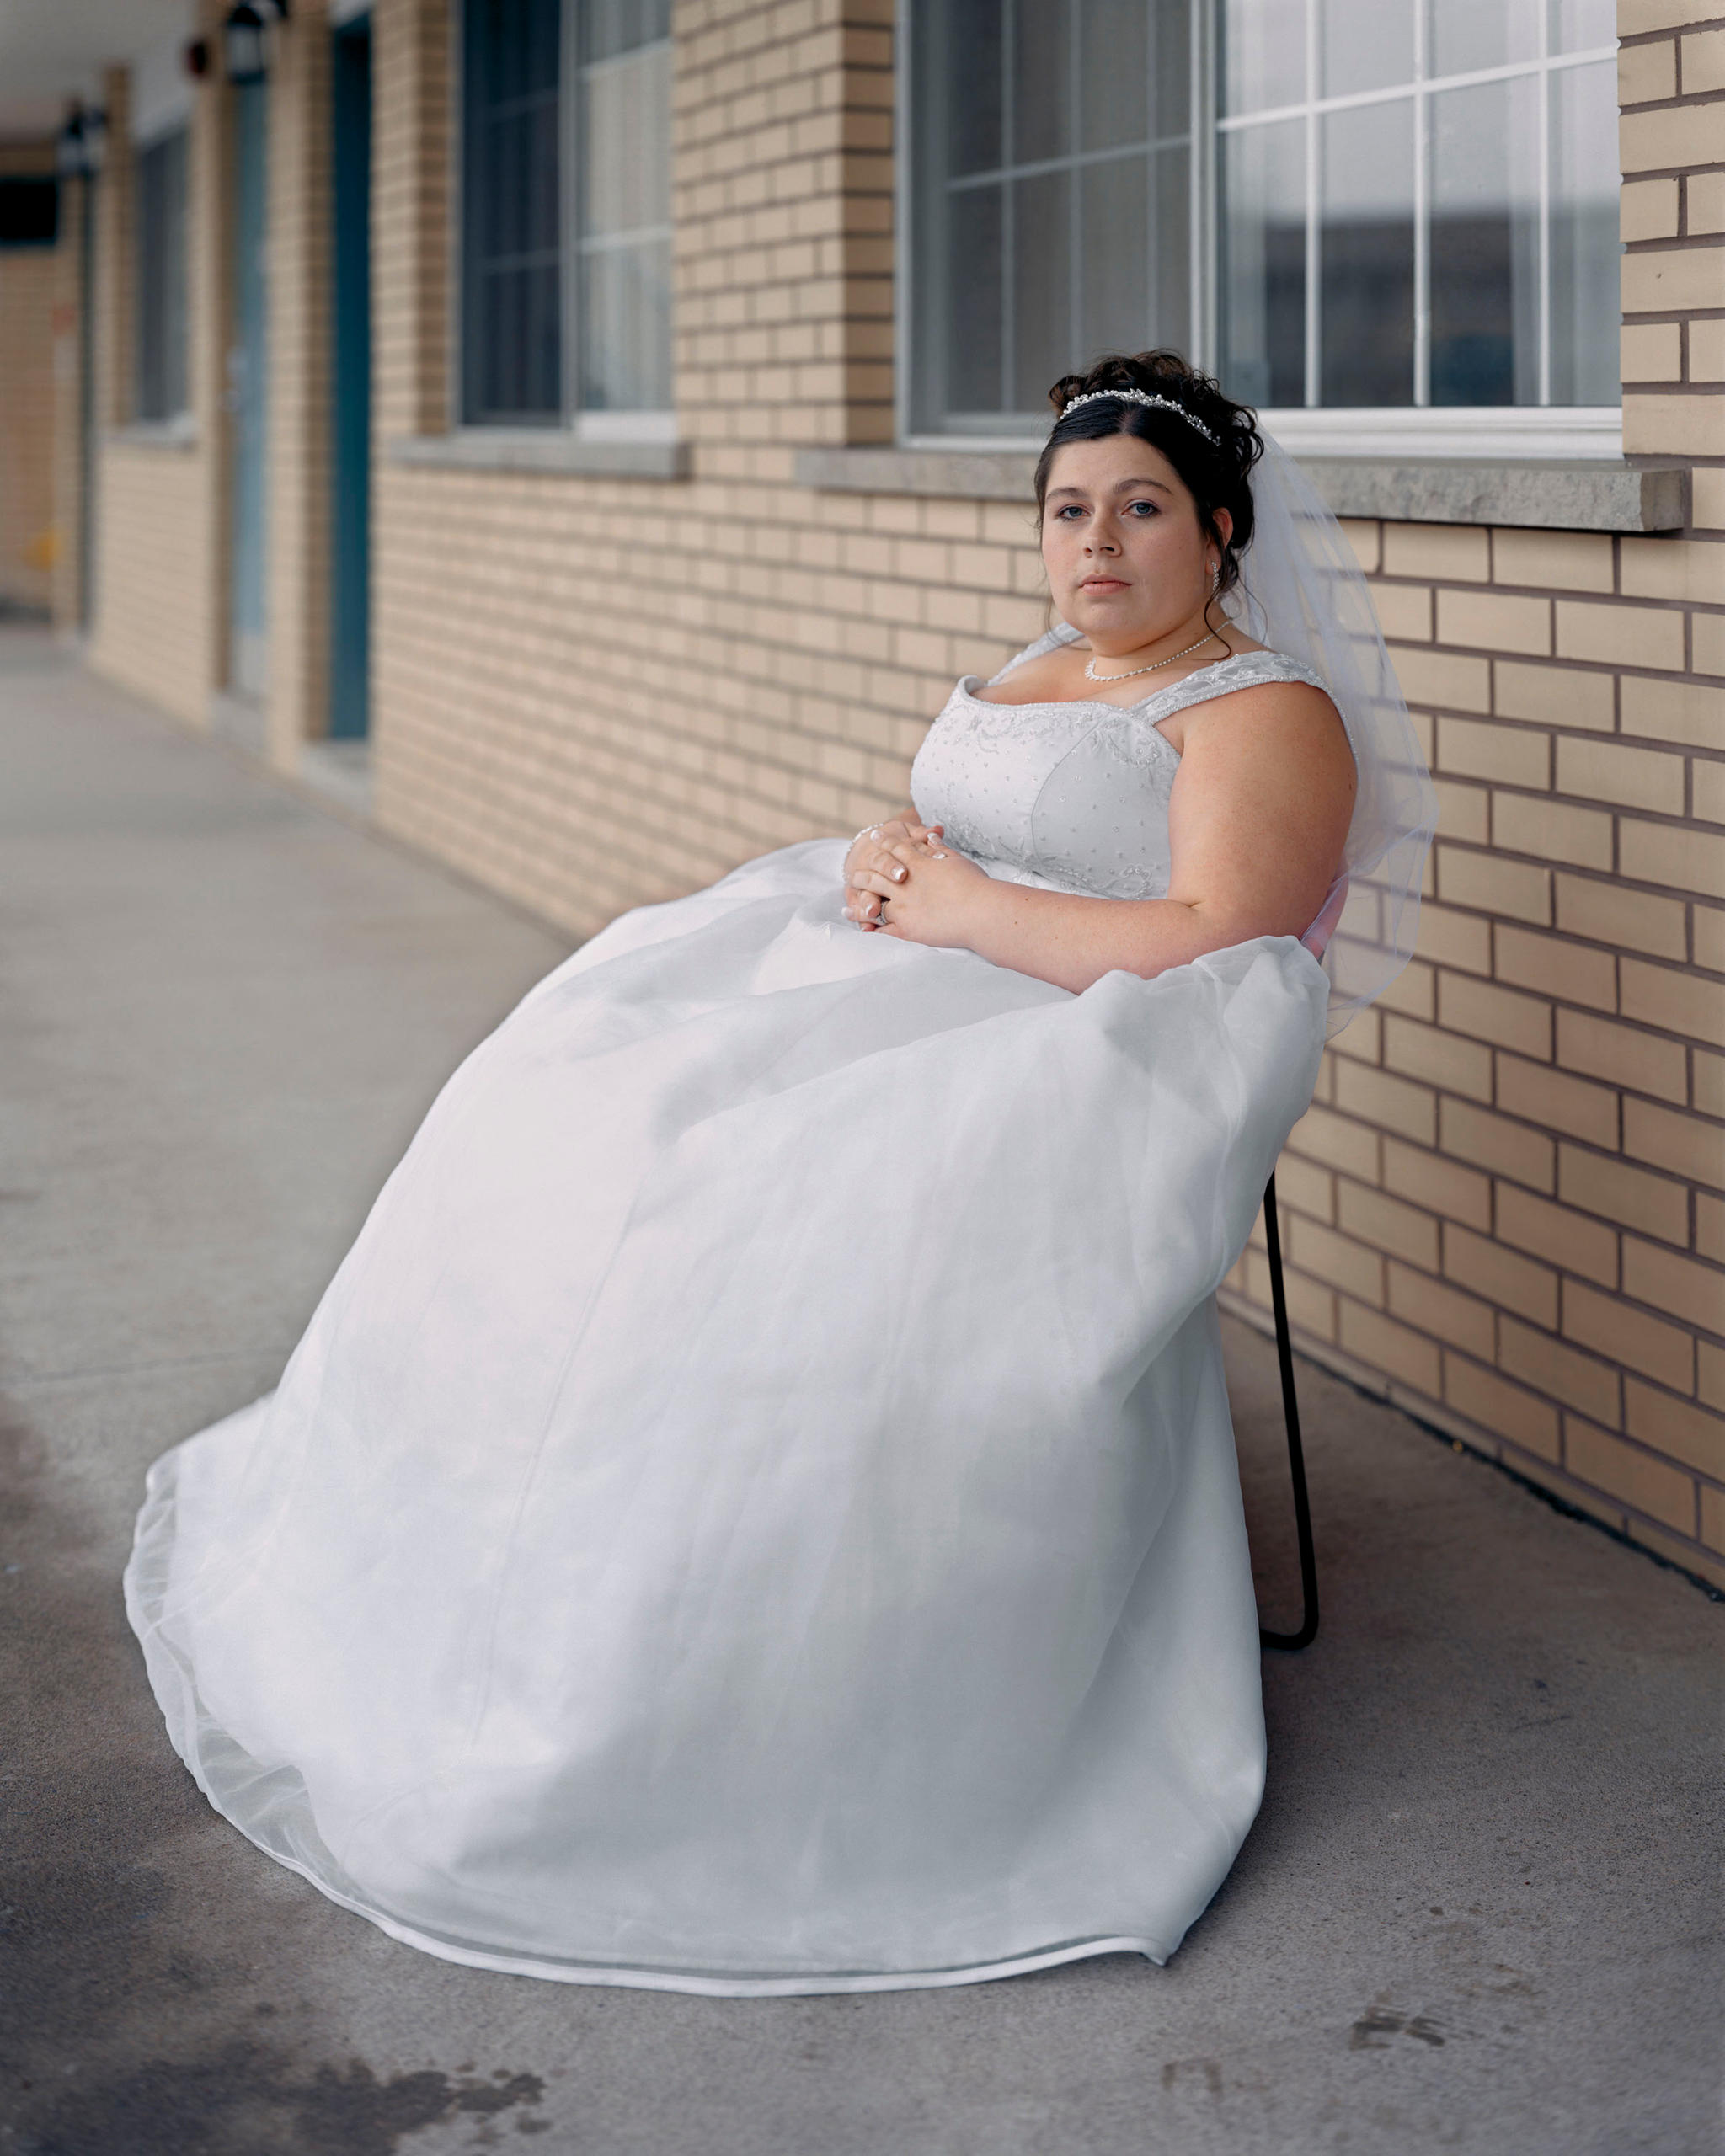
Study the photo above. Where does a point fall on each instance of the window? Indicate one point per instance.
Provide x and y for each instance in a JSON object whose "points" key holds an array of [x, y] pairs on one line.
{"points": [[1388, 205], [1419, 202], [567, 212], [161, 384], [30, 210]]}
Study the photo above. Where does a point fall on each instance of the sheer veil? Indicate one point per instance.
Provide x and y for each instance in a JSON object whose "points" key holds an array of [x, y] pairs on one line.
{"points": [[1302, 592]]}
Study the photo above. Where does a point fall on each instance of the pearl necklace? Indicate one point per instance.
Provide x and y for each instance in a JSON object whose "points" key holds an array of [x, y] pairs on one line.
{"points": [[1090, 674]]}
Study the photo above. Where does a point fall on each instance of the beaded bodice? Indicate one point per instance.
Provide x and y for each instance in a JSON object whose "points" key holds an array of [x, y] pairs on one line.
{"points": [[1070, 796]]}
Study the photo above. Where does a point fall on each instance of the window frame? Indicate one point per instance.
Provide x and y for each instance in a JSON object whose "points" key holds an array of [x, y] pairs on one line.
{"points": [[573, 422], [178, 322], [1587, 432]]}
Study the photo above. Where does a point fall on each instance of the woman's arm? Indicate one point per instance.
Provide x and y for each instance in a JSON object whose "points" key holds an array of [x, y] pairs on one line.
{"points": [[1256, 821]]}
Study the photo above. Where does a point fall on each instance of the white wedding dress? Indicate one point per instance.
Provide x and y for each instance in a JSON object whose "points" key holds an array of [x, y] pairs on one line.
{"points": [[757, 1509]]}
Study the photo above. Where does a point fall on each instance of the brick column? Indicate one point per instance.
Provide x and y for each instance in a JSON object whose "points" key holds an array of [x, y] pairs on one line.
{"points": [[71, 333], [1672, 79], [115, 287], [783, 210], [208, 301], [299, 300], [413, 146]]}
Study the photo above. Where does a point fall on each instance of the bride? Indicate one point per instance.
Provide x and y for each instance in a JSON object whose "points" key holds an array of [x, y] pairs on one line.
{"points": [[755, 1511]]}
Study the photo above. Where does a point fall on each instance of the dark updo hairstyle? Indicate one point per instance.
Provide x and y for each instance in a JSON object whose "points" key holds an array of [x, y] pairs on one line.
{"points": [[1218, 475]]}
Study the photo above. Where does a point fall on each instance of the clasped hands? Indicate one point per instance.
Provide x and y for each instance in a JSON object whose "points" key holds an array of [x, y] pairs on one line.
{"points": [[901, 880]]}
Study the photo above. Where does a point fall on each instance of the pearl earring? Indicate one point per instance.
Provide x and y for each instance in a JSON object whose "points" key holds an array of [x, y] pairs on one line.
{"points": [[1216, 579]]}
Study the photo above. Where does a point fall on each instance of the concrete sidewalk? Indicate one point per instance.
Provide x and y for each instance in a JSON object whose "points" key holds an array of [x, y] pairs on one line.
{"points": [[1479, 1912]]}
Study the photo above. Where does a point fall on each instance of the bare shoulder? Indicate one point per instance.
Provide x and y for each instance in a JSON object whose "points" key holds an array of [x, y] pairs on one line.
{"points": [[1277, 718], [1045, 680]]}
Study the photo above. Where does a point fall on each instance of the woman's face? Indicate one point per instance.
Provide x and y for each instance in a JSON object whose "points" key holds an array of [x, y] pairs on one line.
{"points": [[1127, 560]]}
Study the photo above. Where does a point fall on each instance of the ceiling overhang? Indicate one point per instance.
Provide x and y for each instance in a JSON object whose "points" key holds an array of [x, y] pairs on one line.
{"points": [[54, 51]]}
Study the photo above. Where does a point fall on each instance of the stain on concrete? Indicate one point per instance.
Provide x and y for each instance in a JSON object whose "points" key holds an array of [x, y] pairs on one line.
{"points": [[125, 2029], [1374, 2028], [1179, 2069], [245, 2100]]}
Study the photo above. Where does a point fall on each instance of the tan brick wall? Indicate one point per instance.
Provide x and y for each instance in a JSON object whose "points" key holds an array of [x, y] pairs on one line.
{"points": [[70, 328], [152, 635], [412, 239], [28, 280], [160, 576], [783, 211], [300, 362], [31, 541]]}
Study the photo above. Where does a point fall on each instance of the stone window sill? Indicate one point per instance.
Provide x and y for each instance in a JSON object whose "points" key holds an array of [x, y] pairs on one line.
{"points": [[180, 434], [1545, 494], [532, 449]]}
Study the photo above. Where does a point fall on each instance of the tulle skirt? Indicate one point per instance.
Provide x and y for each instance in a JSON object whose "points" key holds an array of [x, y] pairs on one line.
{"points": [[756, 1510]]}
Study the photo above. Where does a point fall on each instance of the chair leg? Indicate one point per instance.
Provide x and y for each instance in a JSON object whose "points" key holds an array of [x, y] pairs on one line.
{"points": [[1296, 1456]]}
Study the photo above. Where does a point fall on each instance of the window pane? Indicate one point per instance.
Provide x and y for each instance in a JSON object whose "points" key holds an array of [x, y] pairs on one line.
{"points": [[1171, 67], [625, 352], [974, 303], [1468, 34], [512, 221], [610, 26], [1171, 247], [1586, 300], [1042, 303], [624, 298], [1262, 282], [1364, 45], [161, 380], [625, 114], [1366, 253], [1115, 89], [1262, 54], [1484, 244], [1042, 54], [968, 70], [1583, 25], [1114, 292]]}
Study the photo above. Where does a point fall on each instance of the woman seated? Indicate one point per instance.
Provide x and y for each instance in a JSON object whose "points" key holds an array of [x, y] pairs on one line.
{"points": [[756, 1510]]}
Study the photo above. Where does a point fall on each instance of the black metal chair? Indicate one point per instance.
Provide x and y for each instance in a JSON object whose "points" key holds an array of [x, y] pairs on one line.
{"points": [[1291, 1641]]}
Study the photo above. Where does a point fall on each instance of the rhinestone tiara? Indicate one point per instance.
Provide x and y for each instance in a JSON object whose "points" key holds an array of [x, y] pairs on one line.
{"points": [[1141, 397]]}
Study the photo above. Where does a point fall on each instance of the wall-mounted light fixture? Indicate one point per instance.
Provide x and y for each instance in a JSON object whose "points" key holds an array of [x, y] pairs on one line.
{"points": [[77, 147], [244, 47]]}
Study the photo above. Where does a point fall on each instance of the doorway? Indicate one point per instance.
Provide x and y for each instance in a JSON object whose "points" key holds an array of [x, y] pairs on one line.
{"points": [[247, 382], [350, 432]]}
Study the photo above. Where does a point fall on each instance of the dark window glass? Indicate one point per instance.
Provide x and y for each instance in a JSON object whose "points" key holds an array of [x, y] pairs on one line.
{"points": [[161, 389], [1366, 251], [1262, 286], [512, 271], [1485, 257], [30, 210], [1052, 148]]}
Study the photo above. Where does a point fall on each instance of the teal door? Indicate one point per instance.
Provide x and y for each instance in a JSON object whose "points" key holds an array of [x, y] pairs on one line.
{"points": [[247, 382], [350, 433]]}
